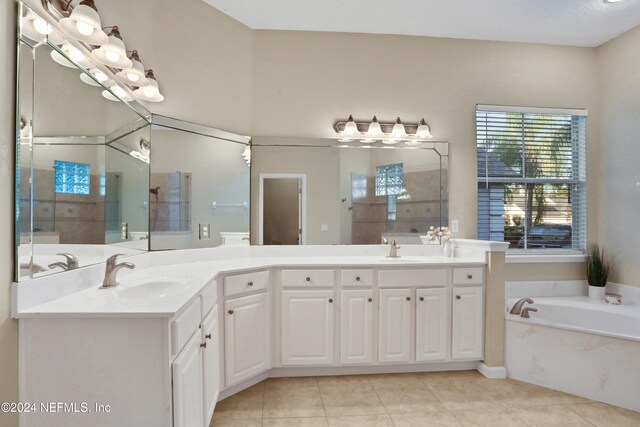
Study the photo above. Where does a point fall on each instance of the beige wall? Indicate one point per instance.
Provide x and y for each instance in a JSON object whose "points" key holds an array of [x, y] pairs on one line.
{"points": [[304, 81], [619, 202], [546, 271], [8, 327]]}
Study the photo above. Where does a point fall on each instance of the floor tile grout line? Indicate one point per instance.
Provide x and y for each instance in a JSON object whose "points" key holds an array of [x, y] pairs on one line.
{"points": [[324, 409]]}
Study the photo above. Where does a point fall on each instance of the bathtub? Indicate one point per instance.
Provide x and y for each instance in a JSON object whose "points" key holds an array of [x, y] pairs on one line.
{"points": [[579, 346]]}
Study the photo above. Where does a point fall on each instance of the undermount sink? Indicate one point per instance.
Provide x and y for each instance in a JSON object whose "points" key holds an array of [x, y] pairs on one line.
{"points": [[155, 289]]}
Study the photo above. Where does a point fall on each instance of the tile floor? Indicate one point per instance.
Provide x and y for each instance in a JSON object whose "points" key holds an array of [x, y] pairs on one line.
{"points": [[447, 399]]}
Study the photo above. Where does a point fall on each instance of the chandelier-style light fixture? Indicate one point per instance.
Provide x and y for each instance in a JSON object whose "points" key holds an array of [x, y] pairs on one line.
{"points": [[385, 132], [103, 55]]}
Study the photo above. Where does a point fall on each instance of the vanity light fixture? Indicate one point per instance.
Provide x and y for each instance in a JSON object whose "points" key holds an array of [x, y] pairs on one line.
{"points": [[74, 54], [388, 133], [150, 92], [119, 92], [84, 24], [398, 130], [37, 29], [97, 75], [134, 75], [113, 53], [246, 154]]}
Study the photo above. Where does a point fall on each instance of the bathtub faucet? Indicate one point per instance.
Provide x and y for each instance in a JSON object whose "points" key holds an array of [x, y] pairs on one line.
{"points": [[517, 307], [526, 310]]}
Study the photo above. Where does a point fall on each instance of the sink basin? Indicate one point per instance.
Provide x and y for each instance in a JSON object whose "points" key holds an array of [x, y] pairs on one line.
{"points": [[156, 289]]}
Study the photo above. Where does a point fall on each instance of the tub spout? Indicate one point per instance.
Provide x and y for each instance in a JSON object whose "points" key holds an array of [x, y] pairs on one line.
{"points": [[526, 310], [517, 307]]}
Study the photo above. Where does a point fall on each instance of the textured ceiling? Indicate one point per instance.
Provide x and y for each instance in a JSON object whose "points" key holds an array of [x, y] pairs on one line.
{"points": [[563, 22]]}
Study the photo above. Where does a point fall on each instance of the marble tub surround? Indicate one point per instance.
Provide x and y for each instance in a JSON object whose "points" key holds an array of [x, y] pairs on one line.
{"points": [[75, 292], [457, 398], [575, 344]]}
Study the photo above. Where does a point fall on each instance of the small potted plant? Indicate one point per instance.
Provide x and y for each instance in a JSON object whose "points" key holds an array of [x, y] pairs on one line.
{"points": [[598, 270]]}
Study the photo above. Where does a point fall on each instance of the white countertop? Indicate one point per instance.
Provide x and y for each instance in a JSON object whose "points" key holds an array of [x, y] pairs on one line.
{"points": [[194, 277]]}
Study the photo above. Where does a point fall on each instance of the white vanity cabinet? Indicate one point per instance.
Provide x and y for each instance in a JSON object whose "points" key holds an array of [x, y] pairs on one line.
{"points": [[357, 308], [467, 323], [188, 385], [432, 324], [307, 336], [247, 327], [394, 326], [210, 362]]}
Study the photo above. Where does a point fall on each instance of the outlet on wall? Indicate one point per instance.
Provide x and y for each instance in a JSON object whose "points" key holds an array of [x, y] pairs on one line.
{"points": [[204, 232], [455, 225], [324, 227]]}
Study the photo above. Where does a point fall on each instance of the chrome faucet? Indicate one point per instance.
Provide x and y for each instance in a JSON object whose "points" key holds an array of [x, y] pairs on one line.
{"points": [[517, 307], [72, 262], [393, 252], [112, 269]]}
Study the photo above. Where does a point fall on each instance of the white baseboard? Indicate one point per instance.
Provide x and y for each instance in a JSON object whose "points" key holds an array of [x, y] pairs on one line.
{"points": [[493, 372]]}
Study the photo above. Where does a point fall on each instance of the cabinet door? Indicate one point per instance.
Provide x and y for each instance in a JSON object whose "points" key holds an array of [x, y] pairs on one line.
{"points": [[210, 363], [307, 327], [356, 326], [247, 337], [188, 407], [394, 333], [467, 319], [432, 314]]}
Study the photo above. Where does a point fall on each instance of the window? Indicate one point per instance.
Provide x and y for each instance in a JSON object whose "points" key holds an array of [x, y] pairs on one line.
{"points": [[71, 178], [531, 177], [389, 183]]}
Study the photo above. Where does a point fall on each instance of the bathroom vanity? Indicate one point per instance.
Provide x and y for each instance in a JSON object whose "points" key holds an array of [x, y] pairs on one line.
{"points": [[175, 336]]}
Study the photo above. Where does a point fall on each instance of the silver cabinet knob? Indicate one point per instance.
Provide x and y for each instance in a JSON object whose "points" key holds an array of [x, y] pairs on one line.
{"points": [[308, 279], [458, 297], [421, 298], [208, 336], [203, 345], [230, 311], [370, 299], [330, 300], [250, 283]]}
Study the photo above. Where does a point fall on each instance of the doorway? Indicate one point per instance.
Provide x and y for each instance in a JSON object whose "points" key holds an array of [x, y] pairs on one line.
{"points": [[282, 209]]}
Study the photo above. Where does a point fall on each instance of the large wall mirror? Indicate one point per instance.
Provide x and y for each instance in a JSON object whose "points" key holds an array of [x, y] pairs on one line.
{"points": [[321, 192], [82, 167], [199, 187]]}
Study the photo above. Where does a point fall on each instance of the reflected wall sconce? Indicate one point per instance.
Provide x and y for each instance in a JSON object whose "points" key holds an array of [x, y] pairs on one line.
{"points": [[246, 155], [135, 74], [386, 132]]}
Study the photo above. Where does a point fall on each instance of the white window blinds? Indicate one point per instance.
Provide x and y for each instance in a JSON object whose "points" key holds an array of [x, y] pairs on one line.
{"points": [[531, 176]]}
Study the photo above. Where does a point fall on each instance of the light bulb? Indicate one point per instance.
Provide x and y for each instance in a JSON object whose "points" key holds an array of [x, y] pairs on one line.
{"points": [[112, 56], [374, 127], [100, 76], [350, 128], [75, 54], [133, 77], [398, 129], [42, 26], [119, 92], [423, 130], [84, 28], [149, 91]]}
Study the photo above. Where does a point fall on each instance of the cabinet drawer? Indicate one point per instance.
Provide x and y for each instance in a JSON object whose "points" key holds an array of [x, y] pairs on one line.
{"points": [[241, 283], [209, 298], [357, 278], [185, 325], [468, 276], [404, 278], [307, 278]]}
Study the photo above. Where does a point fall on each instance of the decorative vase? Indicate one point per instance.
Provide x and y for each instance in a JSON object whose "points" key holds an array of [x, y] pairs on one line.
{"points": [[447, 248], [597, 292]]}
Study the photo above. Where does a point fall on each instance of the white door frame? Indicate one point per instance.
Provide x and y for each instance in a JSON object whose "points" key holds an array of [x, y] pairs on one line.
{"points": [[303, 208]]}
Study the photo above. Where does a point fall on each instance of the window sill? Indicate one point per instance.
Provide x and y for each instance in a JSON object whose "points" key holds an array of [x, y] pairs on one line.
{"points": [[523, 256]]}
